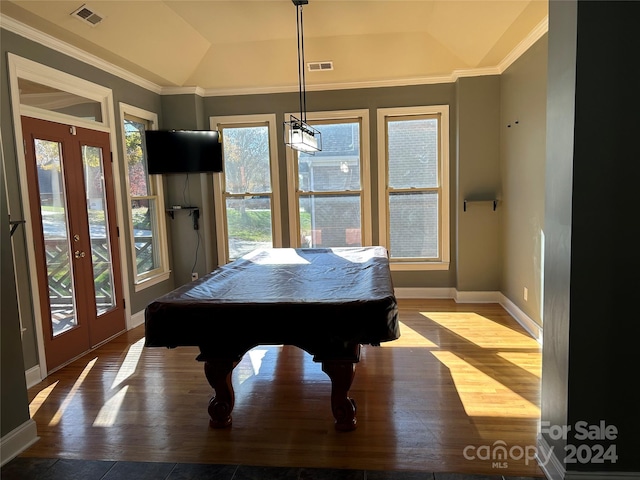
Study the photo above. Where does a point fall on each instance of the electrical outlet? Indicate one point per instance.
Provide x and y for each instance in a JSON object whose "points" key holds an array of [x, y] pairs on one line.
{"points": [[194, 276], [525, 294]]}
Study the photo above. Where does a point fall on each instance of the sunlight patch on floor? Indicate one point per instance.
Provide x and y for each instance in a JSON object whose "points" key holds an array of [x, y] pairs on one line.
{"points": [[251, 363], [109, 411], [129, 364], [482, 395], [40, 398], [480, 330], [409, 338], [529, 361], [72, 393]]}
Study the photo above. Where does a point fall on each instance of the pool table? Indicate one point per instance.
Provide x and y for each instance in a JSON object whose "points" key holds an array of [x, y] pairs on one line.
{"points": [[326, 301]]}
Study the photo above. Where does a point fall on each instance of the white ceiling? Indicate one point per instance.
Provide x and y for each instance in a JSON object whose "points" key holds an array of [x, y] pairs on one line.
{"points": [[250, 45]]}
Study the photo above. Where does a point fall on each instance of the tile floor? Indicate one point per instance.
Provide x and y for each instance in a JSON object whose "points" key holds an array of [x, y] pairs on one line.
{"points": [[27, 468]]}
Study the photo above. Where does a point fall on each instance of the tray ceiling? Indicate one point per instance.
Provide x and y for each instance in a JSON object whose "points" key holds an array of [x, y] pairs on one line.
{"points": [[250, 45]]}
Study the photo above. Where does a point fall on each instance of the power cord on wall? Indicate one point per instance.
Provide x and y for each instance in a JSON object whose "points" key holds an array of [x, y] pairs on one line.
{"points": [[186, 198]]}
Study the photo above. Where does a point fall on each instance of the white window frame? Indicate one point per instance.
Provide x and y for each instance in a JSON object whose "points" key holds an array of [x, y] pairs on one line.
{"points": [[162, 273], [219, 194], [361, 116], [444, 201]]}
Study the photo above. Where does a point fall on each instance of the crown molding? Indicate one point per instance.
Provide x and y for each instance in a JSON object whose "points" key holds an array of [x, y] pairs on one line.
{"points": [[76, 53], [535, 35], [212, 92], [183, 91]]}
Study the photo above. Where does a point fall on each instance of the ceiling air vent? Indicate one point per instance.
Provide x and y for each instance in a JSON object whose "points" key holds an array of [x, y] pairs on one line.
{"points": [[88, 15], [319, 66]]}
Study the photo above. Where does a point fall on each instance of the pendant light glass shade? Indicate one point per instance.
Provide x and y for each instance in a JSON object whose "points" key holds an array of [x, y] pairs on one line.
{"points": [[302, 136]]}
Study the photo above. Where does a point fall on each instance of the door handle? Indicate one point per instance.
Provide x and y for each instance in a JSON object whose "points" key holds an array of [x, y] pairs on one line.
{"points": [[79, 254]]}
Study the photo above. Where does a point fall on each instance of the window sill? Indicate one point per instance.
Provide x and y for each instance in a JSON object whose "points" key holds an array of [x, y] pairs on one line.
{"points": [[150, 281]]}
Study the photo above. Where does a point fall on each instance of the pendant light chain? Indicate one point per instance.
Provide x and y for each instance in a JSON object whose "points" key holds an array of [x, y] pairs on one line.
{"points": [[301, 69]]}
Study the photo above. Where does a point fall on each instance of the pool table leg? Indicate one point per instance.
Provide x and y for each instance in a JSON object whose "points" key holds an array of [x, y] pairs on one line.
{"points": [[218, 373], [341, 374]]}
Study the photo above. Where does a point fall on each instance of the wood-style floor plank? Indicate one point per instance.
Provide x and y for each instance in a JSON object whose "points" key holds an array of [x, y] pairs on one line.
{"points": [[462, 376]]}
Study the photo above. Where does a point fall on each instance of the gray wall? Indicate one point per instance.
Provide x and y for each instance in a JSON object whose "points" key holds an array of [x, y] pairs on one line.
{"points": [[591, 327], [191, 250], [478, 243], [523, 102], [15, 407]]}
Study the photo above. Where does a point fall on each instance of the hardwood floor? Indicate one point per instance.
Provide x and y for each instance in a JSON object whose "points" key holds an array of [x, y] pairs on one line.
{"points": [[462, 380]]}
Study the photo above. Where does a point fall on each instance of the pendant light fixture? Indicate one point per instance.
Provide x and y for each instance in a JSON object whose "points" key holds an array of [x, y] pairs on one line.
{"points": [[298, 134]]}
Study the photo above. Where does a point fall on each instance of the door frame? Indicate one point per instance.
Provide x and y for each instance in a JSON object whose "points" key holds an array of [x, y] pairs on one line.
{"points": [[20, 67]]}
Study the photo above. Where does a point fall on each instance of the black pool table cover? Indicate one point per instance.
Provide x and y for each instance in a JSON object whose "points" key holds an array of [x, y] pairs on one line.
{"points": [[327, 301], [308, 297]]}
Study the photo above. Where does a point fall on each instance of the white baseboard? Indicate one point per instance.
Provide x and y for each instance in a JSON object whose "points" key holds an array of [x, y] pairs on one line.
{"points": [[33, 376], [17, 441], [549, 463], [477, 297], [411, 293], [446, 292], [137, 319], [522, 318]]}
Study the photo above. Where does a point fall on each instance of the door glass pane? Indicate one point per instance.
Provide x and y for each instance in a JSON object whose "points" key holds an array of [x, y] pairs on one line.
{"points": [[92, 162], [56, 236], [413, 225], [330, 221], [248, 224]]}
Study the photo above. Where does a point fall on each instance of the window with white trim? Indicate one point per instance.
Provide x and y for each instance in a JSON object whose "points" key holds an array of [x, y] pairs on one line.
{"points": [[146, 202], [329, 191], [413, 148], [246, 200]]}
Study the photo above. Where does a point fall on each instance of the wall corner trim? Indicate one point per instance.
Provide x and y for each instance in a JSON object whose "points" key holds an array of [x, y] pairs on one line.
{"points": [[137, 319], [33, 376], [17, 441]]}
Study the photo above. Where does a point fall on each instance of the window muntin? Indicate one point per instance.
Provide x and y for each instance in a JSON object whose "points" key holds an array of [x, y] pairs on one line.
{"points": [[413, 169], [149, 249], [246, 191]]}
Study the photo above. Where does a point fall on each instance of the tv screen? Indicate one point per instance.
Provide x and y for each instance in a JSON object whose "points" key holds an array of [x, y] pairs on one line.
{"points": [[183, 151]]}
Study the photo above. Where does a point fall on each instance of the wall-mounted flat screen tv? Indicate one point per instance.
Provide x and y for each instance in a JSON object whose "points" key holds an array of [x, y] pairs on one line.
{"points": [[183, 151]]}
